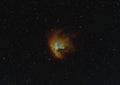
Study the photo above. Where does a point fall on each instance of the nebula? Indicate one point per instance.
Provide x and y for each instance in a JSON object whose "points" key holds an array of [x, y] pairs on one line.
{"points": [[60, 43]]}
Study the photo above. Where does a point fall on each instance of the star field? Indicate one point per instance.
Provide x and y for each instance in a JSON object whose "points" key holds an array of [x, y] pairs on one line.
{"points": [[25, 58]]}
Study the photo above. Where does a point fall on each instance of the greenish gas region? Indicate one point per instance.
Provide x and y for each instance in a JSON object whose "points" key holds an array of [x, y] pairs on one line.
{"points": [[59, 47]]}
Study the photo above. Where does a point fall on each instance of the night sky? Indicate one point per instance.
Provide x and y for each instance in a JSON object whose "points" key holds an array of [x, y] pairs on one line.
{"points": [[26, 59]]}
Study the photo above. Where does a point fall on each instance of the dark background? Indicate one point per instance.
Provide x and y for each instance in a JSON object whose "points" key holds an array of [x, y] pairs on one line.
{"points": [[25, 58]]}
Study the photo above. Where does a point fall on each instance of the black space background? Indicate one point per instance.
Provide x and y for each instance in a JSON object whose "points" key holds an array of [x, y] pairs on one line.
{"points": [[25, 58]]}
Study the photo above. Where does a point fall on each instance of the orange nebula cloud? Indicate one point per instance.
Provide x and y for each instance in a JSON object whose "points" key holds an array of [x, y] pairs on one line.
{"points": [[60, 43]]}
